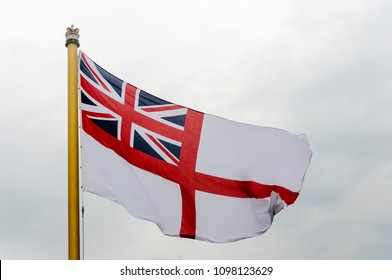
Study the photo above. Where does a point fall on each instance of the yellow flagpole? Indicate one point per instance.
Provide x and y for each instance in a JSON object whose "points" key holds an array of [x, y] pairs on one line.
{"points": [[72, 44]]}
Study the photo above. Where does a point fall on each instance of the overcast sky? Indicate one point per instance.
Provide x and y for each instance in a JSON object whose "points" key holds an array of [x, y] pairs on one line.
{"points": [[322, 68]]}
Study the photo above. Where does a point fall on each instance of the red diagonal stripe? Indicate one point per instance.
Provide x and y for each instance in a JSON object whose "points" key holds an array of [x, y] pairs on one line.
{"points": [[161, 108], [93, 72], [163, 149]]}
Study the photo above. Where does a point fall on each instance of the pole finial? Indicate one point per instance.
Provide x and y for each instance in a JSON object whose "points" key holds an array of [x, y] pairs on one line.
{"points": [[72, 36]]}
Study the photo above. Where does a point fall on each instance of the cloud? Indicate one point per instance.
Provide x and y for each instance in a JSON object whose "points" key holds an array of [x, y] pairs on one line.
{"points": [[320, 68]]}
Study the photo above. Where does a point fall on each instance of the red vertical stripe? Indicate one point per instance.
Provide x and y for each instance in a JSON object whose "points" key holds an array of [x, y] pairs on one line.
{"points": [[189, 148]]}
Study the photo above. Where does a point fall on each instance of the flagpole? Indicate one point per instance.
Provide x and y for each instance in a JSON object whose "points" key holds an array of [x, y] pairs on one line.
{"points": [[72, 44]]}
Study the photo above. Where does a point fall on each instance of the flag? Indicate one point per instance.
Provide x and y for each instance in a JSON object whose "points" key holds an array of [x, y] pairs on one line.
{"points": [[193, 174]]}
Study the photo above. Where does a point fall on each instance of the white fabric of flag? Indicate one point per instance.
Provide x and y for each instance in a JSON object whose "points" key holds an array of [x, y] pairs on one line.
{"points": [[193, 174]]}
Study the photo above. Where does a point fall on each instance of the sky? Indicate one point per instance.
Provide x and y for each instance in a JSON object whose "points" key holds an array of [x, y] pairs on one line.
{"points": [[322, 68]]}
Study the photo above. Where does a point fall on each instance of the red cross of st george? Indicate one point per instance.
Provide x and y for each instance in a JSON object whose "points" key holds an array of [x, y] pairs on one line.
{"points": [[184, 173]]}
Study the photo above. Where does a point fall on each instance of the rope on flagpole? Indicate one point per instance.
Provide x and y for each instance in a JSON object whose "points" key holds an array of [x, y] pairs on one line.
{"points": [[82, 224]]}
